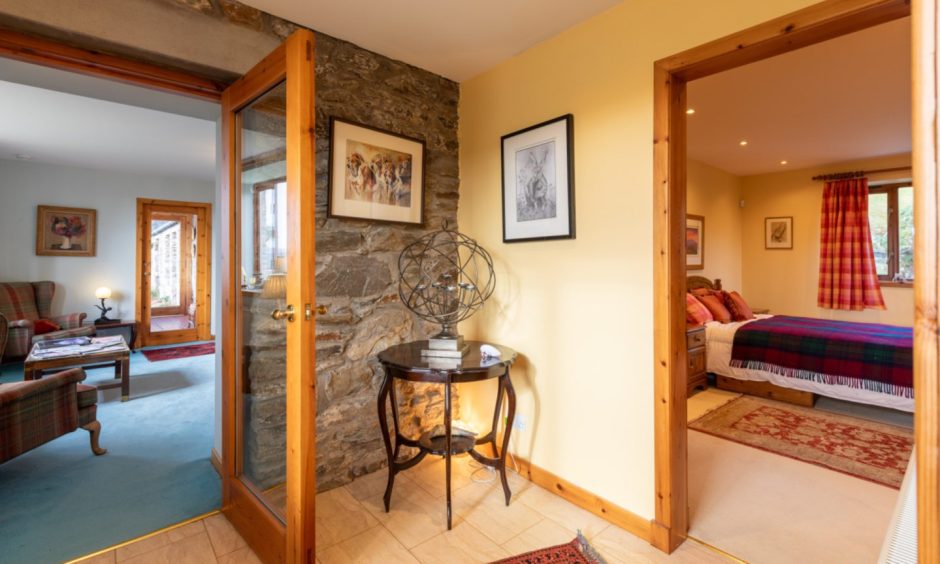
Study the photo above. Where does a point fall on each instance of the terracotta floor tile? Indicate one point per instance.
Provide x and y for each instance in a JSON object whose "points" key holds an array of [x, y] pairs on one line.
{"points": [[415, 515], [222, 534], [462, 545], [189, 530], [339, 517], [141, 547], [484, 507], [544, 533], [240, 556], [563, 512], [375, 546], [620, 547], [106, 558], [195, 549]]}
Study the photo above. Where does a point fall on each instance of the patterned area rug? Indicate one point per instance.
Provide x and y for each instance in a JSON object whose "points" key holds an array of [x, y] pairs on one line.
{"points": [[578, 551], [872, 451], [154, 355]]}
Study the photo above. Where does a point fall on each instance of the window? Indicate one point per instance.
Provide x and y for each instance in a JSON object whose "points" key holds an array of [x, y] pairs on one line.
{"points": [[270, 226], [891, 219]]}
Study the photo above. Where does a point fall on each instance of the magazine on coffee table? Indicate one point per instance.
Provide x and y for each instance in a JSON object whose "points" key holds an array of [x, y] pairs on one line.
{"points": [[91, 345]]}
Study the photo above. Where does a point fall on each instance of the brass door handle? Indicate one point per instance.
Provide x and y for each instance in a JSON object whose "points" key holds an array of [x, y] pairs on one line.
{"points": [[280, 314]]}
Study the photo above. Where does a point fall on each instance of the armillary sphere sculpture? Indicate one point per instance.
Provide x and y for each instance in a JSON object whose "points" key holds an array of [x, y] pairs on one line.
{"points": [[445, 277]]}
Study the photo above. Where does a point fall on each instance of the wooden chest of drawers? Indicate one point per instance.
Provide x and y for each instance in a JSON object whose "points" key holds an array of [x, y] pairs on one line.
{"points": [[696, 373]]}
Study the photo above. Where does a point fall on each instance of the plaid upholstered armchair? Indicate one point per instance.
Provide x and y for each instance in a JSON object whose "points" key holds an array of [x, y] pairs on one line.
{"points": [[24, 303], [34, 412]]}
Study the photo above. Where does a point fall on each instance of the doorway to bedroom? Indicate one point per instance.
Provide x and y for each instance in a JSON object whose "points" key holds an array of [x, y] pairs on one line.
{"points": [[773, 446]]}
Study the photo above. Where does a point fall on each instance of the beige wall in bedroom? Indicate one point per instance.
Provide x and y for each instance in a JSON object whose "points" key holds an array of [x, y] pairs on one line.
{"points": [[715, 195], [785, 281], [581, 311]]}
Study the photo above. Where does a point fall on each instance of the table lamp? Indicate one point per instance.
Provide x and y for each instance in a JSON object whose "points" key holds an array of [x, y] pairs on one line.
{"points": [[102, 294], [275, 286]]}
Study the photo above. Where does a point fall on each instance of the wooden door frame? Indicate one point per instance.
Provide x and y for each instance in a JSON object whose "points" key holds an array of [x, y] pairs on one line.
{"points": [[203, 321], [805, 27], [292, 61]]}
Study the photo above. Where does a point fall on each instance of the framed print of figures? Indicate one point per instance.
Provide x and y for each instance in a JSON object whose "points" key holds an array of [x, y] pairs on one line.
{"points": [[778, 232], [66, 232], [375, 174], [538, 182], [694, 242]]}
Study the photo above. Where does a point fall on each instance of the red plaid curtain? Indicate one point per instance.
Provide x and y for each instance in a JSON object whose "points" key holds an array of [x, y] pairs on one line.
{"points": [[847, 275]]}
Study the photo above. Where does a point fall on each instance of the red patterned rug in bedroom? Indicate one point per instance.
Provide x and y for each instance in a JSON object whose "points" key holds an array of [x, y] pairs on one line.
{"points": [[872, 451], [154, 355]]}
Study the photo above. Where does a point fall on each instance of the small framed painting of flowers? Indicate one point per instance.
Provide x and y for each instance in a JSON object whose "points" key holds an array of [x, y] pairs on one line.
{"points": [[66, 231]]}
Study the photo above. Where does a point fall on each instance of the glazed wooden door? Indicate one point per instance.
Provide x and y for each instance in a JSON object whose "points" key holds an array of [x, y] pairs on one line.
{"points": [[268, 356], [174, 250]]}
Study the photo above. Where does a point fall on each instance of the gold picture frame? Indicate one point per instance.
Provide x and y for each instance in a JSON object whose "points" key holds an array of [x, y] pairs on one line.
{"points": [[66, 232]]}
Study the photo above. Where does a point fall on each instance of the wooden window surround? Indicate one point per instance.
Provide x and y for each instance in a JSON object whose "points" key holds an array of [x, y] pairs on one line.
{"points": [[894, 233]]}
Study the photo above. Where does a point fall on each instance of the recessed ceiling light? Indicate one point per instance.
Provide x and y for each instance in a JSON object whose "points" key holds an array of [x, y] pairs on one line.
{"points": [[690, 111], [783, 162], [23, 156], [743, 142]]}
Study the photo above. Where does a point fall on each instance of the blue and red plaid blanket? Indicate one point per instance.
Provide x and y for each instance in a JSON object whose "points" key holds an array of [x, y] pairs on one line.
{"points": [[858, 355]]}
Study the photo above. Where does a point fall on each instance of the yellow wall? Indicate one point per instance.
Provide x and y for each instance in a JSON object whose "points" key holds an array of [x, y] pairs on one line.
{"points": [[580, 311], [715, 195], [785, 281]]}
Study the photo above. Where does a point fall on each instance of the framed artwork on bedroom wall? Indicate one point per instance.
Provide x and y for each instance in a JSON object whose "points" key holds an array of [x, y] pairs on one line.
{"points": [[538, 182], [778, 233], [694, 242], [374, 174], [66, 232]]}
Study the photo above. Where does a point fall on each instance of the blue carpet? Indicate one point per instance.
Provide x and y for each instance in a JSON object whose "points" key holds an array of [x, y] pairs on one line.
{"points": [[59, 501]]}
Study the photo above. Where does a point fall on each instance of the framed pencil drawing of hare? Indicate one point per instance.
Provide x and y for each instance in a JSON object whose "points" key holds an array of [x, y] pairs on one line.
{"points": [[538, 182], [375, 174]]}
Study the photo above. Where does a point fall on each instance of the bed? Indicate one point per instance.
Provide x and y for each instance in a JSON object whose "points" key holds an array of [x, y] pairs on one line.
{"points": [[781, 357]]}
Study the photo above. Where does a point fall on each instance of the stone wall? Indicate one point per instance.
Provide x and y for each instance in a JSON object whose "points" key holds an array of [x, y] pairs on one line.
{"points": [[357, 261]]}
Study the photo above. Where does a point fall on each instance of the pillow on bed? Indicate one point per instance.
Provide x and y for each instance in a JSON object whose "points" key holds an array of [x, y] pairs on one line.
{"points": [[699, 292], [736, 305], [716, 307], [695, 312]]}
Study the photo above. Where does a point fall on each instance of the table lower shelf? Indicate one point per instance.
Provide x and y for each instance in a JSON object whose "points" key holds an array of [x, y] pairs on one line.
{"points": [[459, 444]]}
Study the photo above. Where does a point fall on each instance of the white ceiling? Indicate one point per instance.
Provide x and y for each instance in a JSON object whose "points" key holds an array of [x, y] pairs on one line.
{"points": [[845, 99], [68, 129], [457, 40]]}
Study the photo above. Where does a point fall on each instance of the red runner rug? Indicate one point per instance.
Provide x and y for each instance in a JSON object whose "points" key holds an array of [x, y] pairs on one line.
{"points": [[876, 452], [578, 551], [154, 355]]}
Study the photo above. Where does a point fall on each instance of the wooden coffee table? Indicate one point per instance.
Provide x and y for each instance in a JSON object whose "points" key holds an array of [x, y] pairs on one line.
{"points": [[35, 367]]}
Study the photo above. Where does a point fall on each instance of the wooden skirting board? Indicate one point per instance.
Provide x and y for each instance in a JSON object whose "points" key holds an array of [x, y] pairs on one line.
{"points": [[584, 499], [766, 390]]}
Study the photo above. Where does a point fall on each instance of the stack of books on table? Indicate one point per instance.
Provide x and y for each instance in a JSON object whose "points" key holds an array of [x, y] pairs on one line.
{"points": [[77, 346]]}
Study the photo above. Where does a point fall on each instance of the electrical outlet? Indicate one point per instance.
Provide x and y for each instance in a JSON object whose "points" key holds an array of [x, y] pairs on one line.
{"points": [[520, 422]]}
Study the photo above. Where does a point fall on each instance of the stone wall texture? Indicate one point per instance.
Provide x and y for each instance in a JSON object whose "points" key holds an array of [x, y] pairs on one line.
{"points": [[357, 261]]}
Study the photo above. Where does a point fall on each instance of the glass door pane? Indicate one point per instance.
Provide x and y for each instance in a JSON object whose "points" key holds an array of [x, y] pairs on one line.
{"points": [[173, 254], [262, 249]]}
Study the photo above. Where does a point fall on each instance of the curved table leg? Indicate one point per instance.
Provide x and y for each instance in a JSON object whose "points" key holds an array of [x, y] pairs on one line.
{"points": [[510, 418], [496, 413], [383, 424]]}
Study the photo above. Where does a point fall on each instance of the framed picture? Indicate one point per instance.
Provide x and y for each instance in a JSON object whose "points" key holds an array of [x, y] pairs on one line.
{"points": [[538, 182], [374, 174], [694, 242], [66, 231], [778, 232]]}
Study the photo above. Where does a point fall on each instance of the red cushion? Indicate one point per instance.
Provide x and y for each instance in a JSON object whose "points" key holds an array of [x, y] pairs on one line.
{"points": [[43, 326], [695, 312], [716, 307], [739, 309]]}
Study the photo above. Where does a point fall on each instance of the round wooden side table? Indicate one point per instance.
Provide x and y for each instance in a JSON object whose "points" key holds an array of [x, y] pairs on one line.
{"points": [[405, 362]]}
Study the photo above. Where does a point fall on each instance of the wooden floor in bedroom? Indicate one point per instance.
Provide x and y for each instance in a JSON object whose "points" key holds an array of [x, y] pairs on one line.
{"points": [[767, 508]]}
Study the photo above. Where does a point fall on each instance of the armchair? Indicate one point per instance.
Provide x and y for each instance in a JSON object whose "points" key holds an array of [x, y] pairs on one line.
{"points": [[34, 412], [22, 304]]}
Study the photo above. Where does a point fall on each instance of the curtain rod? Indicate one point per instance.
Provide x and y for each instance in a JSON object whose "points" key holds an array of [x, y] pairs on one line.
{"points": [[857, 173]]}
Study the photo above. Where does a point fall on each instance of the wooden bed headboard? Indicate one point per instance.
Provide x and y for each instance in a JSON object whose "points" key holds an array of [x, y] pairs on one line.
{"points": [[695, 282]]}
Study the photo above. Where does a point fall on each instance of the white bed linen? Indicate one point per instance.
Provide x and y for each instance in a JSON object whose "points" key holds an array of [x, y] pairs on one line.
{"points": [[719, 339]]}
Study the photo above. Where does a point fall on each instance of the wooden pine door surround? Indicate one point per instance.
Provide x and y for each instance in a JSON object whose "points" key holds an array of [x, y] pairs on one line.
{"points": [[250, 110], [811, 25], [191, 294]]}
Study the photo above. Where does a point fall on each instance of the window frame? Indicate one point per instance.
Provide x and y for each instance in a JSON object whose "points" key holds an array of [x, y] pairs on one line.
{"points": [[894, 254], [256, 190]]}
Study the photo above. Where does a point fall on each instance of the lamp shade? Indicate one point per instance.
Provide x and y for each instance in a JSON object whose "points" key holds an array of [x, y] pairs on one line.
{"points": [[103, 293], [280, 264], [275, 286]]}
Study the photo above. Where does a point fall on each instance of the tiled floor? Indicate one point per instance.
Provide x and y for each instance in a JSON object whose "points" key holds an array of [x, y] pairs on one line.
{"points": [[352, 526]]}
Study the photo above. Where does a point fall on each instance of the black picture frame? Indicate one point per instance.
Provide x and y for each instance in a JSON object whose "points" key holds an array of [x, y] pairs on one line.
{"points": [[342, 207], [542, 219]]}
